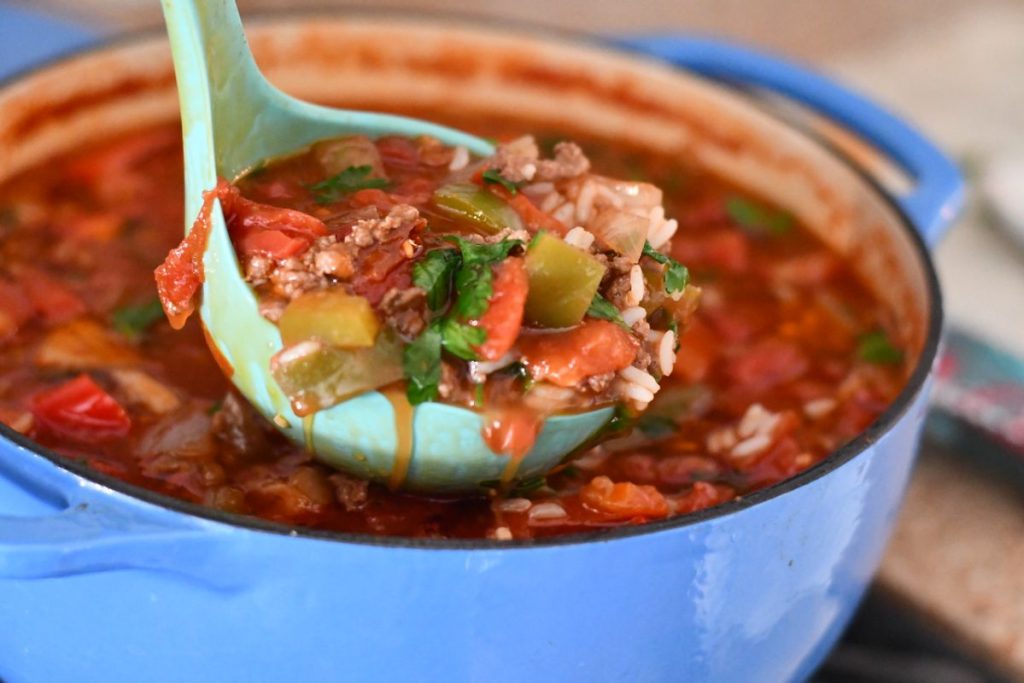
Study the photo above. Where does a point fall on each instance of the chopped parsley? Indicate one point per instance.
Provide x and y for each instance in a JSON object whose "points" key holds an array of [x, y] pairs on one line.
{"points": [[469, 269], [474, 278], [132, 321], [421, 363], [492, 175], [351, 179], [677, 276], [459, 338], [757, 218], [433, 274], [606, 310], [875, 347]]}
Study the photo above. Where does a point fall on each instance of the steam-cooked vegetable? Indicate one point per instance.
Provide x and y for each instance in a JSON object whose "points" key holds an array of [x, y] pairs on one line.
{"points": [[331, 316], [562, 282], [315, 375], [488, 213]]}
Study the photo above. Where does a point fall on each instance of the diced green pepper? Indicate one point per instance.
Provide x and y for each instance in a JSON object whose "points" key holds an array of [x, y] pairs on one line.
{"points": [[484, 211], [331, 316], [315, 375], [563, 282]]}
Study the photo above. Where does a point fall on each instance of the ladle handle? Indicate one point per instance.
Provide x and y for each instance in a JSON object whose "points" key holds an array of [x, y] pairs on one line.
{"points": [[938, 188]]}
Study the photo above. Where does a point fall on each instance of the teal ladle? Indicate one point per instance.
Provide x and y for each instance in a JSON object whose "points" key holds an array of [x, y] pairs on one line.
{"points": [[232, 119]]}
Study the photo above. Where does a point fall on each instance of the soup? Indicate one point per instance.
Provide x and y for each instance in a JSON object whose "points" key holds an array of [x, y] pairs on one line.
{"points": [[787, 358]]}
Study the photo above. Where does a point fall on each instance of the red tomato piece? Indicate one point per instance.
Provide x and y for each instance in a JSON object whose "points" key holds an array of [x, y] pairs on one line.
{"points": [[244, 216], [727, 249], [624, 500], [568, 357], [81, 410], [15, 309], [272, 243], [372, 197], [52, 299], [504, 315], [703, 495], [698, 350], [767, 364], [398, 153], [533, 218]]}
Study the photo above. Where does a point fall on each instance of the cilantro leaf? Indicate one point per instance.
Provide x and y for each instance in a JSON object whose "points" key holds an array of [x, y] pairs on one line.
{"points": [[459, 338], [421, 364], [606, 310], [492, 175], [677, 276], [351, 179], [433, 274], [475, 284], [875, 347], [132, 321], [474, 279], [485, 253], [757, 218]]}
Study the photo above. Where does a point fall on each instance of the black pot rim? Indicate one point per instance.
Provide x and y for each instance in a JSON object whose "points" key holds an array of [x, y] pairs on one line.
{"points": [[883, 424]]}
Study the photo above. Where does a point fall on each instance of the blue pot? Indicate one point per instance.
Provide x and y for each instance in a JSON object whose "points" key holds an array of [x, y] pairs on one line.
{"points": [[103, 581]]}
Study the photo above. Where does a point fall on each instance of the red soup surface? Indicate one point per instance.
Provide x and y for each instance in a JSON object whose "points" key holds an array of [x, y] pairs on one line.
{"points": [[787, 357]]}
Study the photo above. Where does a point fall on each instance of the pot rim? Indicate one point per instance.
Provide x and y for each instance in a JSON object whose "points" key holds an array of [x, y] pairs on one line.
{"points": [[915, 383]]}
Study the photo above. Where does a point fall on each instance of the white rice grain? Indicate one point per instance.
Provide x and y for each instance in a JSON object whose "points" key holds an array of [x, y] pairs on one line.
{"points": [[752, 446], [478, 370], [585, 201], [819, 408], [549, 203], [757, 420], [503, 533], [537, 190], [564, 213], [642, 378], [515, 505], [632, 315], [579, 238], [637, 393], [667, 353], [721, 440], [545, 511], [460, 159], [661, 232], [636, 286]]}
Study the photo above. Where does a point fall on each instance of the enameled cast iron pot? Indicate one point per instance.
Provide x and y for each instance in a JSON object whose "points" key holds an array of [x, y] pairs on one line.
{"points": [[102, 581]]}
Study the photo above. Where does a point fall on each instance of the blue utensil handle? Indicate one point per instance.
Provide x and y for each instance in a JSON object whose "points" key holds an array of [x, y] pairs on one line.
{"points": [[937, 195], [92, 529]]}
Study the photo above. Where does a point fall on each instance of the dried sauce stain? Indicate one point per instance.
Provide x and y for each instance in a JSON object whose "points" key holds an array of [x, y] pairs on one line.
{"points": [[36, 115], [403, 435], [222, 362]]}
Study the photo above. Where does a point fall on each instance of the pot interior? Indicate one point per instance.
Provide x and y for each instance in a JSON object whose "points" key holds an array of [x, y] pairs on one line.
{"points": [[390, 63]]}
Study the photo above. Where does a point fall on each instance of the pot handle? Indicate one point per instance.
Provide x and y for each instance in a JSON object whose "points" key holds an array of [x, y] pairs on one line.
{"points": [[938, 192], [93, 529]]}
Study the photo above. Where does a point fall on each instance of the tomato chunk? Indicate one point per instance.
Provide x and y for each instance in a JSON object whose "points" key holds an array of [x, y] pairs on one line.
{"points": [[768, 364], [624, 500], [568, 357], [81, 410], [533, 218], [504, 315], [52, 299]]}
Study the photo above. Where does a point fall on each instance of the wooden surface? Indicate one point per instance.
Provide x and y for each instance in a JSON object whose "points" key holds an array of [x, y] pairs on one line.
{"points": [[955, 67]]}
